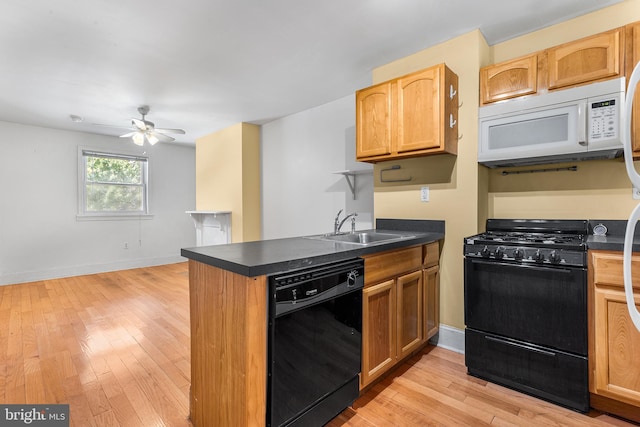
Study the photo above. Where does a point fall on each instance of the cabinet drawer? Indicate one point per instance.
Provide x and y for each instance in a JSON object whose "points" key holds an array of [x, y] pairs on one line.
{"points": [[540, 371], [431, 254], [606, 268], [390, 264]]}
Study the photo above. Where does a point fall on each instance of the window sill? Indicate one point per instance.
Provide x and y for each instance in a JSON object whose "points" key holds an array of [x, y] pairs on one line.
{"points": [[112, 217]]}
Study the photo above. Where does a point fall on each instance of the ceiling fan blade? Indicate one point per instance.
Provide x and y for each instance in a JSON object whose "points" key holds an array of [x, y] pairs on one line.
{"points": [[180, 131], [139, 124], [128, 135], [163, 137]]}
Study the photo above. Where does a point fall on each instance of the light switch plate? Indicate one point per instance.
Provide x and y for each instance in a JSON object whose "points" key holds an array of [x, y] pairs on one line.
{"points": [[424, 194]]}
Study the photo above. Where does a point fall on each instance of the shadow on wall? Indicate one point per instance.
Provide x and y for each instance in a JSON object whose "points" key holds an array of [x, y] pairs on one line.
{"points": [[430, 170]]}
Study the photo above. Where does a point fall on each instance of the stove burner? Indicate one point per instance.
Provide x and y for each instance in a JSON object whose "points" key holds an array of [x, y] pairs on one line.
{"points": [[532, 238], [551, 242]]}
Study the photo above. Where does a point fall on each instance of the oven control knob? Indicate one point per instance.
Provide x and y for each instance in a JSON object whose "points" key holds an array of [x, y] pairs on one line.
{"points": [[498, 253], [554, 257], [485, 252], [518, 254], [538, 256]]}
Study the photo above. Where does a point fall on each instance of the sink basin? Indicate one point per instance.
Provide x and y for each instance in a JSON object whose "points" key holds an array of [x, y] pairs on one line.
{"points": [[361, 238]]}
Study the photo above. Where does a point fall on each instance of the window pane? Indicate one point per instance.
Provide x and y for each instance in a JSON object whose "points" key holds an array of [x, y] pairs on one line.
{"points": [[114, 198], [103, 169]]}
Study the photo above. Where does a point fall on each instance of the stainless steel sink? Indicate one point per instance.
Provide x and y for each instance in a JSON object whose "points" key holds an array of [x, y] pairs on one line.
{"points": [[365, 238]]}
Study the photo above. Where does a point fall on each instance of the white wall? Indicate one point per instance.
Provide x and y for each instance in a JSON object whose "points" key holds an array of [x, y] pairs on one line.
{"points": [[300, 152], [41, 238]]}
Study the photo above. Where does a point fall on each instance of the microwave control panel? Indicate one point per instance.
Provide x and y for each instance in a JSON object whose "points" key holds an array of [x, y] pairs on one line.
{"points": [[604, 119]]}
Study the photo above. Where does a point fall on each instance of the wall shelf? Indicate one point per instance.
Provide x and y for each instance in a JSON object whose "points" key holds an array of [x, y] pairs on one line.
{"points": [[350, 176]]}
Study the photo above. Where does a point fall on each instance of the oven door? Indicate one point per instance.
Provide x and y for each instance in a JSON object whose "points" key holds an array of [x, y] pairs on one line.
{"points": [[543, 305]]}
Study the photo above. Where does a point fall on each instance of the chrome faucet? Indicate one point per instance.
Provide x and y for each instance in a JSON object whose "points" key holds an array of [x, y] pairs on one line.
{"points": [[337, 224]]}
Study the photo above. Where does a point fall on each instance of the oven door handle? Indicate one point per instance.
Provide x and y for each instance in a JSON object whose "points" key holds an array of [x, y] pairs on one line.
{"points": [[567, 270], [522, 346]]}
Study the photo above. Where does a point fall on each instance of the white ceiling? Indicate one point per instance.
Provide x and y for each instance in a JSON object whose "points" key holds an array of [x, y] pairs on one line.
{"points": [[203, 65]]}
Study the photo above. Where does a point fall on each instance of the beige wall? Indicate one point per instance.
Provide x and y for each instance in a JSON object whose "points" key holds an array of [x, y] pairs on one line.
{"points": [[463, 193], [228, 177]]}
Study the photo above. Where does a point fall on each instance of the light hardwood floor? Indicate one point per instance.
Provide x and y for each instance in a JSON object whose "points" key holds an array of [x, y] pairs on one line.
{"points": [[115, 347]]}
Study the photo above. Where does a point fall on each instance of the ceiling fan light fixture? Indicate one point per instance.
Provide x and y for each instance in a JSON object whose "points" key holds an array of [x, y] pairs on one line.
{"points": [[152, 139], [138, 138]]}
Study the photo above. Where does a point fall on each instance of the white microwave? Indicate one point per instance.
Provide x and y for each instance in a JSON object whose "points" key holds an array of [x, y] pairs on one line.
{"points": [[580, 123]]}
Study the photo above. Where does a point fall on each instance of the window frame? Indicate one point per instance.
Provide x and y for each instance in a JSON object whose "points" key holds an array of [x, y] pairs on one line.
{"points": [[83, 153]]}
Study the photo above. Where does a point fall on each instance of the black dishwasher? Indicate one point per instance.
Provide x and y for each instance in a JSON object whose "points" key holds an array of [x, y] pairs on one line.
{"points": [[315, 337]]}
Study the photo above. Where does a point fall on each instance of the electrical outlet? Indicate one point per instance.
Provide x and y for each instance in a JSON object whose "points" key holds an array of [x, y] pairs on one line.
{"points": [[424, 194], [635, 193]]}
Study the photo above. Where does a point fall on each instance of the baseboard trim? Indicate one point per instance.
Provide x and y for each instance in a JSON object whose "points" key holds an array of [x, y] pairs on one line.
{"points": [[449, 338], [80, 270]]}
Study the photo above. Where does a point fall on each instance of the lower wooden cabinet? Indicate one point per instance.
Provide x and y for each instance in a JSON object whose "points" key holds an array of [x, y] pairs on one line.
{"points": [[400, 307], [614, 342], [378, 330]]}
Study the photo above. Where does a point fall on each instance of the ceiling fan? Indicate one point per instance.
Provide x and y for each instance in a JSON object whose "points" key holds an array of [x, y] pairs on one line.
{"points": [[144, 129]]}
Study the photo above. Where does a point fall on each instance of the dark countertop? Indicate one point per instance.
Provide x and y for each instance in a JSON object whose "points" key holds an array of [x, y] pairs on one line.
{"points": [[614, 240], [271, 256]]}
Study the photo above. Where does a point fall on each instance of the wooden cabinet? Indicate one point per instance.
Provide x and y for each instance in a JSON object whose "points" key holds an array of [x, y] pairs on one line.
{"points": [[586, 60], [413, 115], [400, 307], [594, 58], [614, 342], [378, 330], [410, 314], [633, 57], [373, 121], [509, 79]]}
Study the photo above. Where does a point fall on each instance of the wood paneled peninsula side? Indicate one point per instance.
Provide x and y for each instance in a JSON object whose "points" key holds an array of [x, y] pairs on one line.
{"points": [[228, 290]]}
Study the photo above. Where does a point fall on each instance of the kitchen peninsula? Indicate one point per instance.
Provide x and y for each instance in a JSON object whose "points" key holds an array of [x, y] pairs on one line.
{"points": [[228, 287]]}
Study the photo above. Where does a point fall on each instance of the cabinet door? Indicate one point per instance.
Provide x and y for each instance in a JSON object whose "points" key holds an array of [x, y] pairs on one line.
{"points": [[633, 59], [614, 342], [431, 279], [418, 110], [592, 58], [617, 347], [509, 79], [374, 121], [378, 330], [410, 312]]}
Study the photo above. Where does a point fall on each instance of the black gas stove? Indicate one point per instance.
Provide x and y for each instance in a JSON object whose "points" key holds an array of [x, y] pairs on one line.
{"points": [[526, 308], [553, 242]]}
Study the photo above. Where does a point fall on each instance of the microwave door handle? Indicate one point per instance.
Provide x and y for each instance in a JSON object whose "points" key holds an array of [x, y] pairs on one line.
{"points": [[582, 123]]}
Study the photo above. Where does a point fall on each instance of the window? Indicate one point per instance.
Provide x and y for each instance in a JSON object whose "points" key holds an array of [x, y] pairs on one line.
{"points": [[112, 184]]}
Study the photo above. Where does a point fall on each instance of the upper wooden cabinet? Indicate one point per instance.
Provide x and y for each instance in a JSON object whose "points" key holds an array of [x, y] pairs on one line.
{"points": [[633, 57], [509, 79], [593, 58], [413, 115], [598, 57], [373, 121]]}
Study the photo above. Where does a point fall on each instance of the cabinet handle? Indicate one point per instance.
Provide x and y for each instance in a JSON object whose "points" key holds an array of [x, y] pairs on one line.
{"points": [[452, 92], [521, 346], [452, 121]]}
